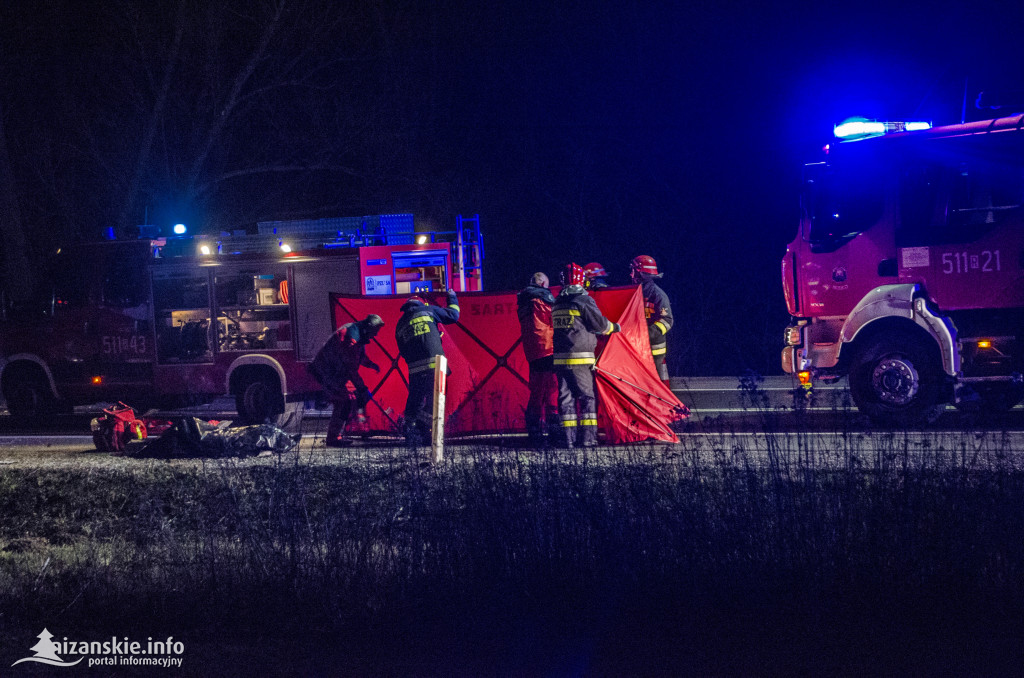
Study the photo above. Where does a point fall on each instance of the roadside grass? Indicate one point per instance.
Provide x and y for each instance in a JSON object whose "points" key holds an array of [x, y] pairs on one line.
{"points": [[776, 553]]}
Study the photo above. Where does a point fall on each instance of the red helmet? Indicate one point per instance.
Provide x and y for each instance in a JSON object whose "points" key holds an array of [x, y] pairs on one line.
{"points": [[573, 275], [643, 265], [594, 270]]}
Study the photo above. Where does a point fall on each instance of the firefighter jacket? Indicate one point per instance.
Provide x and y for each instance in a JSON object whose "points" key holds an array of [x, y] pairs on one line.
{"points": [[417, 334], [659, 315], [534, 309], [577, 321], [339, 359]]}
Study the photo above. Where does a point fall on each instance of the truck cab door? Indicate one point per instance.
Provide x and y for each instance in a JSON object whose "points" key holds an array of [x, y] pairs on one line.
{"points": [[961, 232]]}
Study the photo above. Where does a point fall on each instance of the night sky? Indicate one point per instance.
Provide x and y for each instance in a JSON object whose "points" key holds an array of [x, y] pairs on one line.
{"points": [[578, 131]]}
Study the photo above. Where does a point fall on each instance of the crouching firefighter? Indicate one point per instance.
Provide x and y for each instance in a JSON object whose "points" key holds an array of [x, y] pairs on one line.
{"points": [[337, 364], [577, 321], [419, 344]]}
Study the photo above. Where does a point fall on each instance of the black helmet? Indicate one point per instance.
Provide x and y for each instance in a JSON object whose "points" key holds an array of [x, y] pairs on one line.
{"points": [[373, 322]]}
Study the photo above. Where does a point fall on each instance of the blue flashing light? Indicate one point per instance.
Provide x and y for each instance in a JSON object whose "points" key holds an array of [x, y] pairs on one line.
{"points": [[856, 129], [859, 128], [179, 229]]}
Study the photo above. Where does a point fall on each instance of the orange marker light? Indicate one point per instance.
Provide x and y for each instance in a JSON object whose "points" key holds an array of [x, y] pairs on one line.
{"points": [[97, 380], [804, 377], [984, 343]]}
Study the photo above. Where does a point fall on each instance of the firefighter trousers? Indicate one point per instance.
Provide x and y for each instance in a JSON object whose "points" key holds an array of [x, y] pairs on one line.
{"points": [[659, 366], [577, 405], [343, 405], [542, 408], [419, 408]]}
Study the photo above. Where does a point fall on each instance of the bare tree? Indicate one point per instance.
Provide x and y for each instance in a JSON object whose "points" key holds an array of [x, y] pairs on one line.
{"points": [[18, 278]]}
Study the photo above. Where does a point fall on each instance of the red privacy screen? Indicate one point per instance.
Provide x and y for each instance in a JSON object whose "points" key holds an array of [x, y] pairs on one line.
{"points": [[487, 390]]}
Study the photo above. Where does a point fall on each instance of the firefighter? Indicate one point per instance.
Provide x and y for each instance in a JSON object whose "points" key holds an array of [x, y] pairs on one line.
{"points": [[596, 276], [419, 343], [337, 364], [577, 321], [643, 270], [534, 309]]}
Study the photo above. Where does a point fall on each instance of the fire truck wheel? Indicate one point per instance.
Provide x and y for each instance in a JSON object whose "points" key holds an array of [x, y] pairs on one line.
{"points": [[27, 393], [896, 379], [259, 401]]}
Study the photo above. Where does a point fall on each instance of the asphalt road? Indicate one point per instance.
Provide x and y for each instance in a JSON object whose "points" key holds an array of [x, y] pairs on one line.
{"points": [[714, 402]]}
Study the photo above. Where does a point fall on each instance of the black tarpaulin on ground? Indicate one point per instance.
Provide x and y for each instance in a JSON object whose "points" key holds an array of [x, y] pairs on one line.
{"points": [[192, 437]]}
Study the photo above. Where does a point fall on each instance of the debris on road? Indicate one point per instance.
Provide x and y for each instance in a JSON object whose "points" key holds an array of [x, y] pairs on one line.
{"points": [[193, 437]]}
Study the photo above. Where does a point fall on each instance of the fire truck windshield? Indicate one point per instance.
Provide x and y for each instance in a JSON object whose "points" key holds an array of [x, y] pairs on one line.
{"points": [[841, 201]]}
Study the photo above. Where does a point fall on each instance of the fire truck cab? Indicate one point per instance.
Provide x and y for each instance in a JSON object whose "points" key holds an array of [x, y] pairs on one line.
{"points": [[907, 271], [185, 319]]}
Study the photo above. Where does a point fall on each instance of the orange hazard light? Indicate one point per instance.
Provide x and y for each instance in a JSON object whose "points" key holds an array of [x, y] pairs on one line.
{"points": [[97, 380]]}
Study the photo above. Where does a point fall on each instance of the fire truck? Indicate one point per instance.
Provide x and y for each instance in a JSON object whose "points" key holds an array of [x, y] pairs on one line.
{"points": [[184, 319], [907, 272]]}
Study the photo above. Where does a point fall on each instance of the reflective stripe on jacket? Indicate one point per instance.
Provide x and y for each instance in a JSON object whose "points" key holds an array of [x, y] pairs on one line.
{"points": [[658, 311], [577, 320], [417, 333]]}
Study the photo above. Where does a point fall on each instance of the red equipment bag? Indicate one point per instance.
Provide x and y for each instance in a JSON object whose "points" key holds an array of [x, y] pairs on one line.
{"points": [[116, 428]]}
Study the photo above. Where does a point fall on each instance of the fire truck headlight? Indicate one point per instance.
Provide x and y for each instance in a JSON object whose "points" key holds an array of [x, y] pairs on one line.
{"points": [[421, 240], [179, 229], [285, 247], [204, 250]]}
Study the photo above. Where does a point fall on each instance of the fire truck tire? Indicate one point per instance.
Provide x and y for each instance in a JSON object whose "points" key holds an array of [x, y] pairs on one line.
{"points": [[27, 393], [896, 379], [260, 401]]}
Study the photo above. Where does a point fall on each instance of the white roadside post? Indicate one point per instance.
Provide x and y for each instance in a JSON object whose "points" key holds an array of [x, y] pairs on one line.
{"points": [[437, 425]]}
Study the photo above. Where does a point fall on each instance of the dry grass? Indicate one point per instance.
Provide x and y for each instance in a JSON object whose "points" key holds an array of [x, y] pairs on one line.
{"points": [[774, 553]]}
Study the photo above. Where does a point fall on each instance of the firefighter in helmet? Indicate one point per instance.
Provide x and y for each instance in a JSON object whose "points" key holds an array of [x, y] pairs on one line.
{"points": [[419, 343], [643, 271], [337, 365], [534, 310], [596, 276], [577, 321]]}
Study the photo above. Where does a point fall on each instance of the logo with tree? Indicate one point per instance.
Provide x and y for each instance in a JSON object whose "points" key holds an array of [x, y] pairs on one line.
{"points": [[46, 652]]}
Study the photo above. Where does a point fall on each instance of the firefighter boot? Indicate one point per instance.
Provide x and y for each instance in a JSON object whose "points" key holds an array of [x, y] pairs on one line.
{"points": [[416, 433], [338, 438], [534, 429], [552, 426], [568, 437], [588, 430]]}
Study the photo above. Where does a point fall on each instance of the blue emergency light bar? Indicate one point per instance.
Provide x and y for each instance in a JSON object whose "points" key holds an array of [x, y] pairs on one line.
{"points": [[857, 128]]}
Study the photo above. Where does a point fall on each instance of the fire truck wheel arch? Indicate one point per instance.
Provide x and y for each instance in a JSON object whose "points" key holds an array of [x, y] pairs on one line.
{"points": [[28, 370], [257, 359], [267, 376], [900, 301]]}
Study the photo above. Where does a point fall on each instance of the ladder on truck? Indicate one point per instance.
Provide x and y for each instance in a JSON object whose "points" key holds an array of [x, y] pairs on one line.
{"points": [[469, 247]]}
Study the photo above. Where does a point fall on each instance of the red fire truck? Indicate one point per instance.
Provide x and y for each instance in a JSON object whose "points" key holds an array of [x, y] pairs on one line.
{"points": [[176, 319], [907, 272]]}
